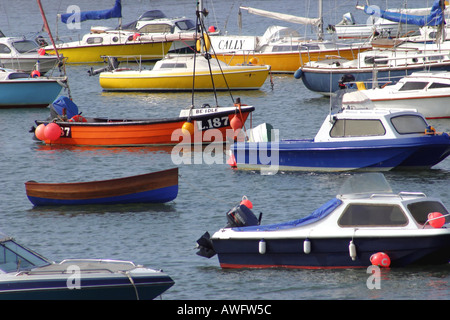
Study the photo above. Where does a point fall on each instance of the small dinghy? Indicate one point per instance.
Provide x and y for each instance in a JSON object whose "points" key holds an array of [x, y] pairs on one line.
{"points": [[155, 187], [364, 223]]}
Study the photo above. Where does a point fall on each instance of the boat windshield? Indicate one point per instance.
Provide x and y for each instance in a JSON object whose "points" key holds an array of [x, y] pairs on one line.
{"points": [[14, 257], [25, 46], [373, 182]]}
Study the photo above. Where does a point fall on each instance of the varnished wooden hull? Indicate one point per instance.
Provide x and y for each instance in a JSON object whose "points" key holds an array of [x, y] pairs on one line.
{"points": [[156, 187]]}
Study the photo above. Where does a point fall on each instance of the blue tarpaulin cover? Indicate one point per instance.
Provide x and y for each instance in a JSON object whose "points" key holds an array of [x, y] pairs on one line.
{"points": [[115, 12], [63, 102], [435, 18], [318, 214]]}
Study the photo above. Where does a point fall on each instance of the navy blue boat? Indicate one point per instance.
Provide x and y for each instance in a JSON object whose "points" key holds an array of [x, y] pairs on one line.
{"points": [[26, 275], [351, 139], [365, 220]]}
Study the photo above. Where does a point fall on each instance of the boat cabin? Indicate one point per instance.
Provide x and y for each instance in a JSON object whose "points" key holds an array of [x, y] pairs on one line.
{"points": [[377, 123]]}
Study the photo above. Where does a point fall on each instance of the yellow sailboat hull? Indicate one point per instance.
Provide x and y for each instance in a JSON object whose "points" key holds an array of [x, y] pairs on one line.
{"points": [[236, 79], [94, 53], [286, 62]]}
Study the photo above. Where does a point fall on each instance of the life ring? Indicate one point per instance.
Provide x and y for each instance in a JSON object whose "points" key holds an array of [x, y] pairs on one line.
{"points": [[77, 118]]}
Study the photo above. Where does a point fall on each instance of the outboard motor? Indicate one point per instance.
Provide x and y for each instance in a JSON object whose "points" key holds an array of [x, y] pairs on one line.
{"points": [[346, 78], [241, 216], [205, 246], [112, 64]]}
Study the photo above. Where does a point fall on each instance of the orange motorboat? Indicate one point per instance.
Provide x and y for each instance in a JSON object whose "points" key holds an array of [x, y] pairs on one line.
{"points": [[194, 125]]}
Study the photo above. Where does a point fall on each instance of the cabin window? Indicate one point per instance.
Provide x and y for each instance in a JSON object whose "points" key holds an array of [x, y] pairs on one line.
{"points": [[413, 85], [376, 60], [357, 128], [18, 75], [369, 215], [94, 40], [185, 25], [437, 85], [420, 210], [310, 47], [4, 49], [25, 46], [284, 48], [173, 65], [435, 58], [156, 28], [407, 124]]}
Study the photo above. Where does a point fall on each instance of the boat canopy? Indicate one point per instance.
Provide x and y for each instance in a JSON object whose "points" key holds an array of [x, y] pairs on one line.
{"points": [[317, 215], [282, 16], [115, 12], [435, 18]]}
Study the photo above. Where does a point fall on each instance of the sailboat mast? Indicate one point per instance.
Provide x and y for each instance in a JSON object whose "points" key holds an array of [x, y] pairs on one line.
{"points": [[47, 27], [321, 20]]}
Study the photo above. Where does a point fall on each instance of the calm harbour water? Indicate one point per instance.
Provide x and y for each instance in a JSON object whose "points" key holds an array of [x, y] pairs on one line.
{"points": [[164, 236]]}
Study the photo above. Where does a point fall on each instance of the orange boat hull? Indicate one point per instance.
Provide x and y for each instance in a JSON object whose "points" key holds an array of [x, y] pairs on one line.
{"points": [[148, 132]]}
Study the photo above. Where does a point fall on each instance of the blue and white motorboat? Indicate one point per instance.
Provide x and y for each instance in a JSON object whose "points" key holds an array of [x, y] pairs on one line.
{"points": [[26, 275], [364, 221], [354, 138], [20, 90]]}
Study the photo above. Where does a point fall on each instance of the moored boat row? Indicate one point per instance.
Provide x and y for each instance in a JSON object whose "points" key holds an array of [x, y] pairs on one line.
{"points": [[352, 230]]}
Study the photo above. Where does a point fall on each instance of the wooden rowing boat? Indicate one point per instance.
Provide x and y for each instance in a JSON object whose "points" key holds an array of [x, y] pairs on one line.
{"points": [[155, 187]]}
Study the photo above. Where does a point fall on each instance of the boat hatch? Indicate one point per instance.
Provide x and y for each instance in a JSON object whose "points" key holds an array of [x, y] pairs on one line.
{"points": [[14, 257]]}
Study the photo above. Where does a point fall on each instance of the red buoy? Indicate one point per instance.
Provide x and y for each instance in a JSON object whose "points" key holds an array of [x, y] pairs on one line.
{"points": [[436, 219], [39, 132], [35, 74], [236, 123], [380, 259], [136, 36], [246, 202], [52, 131]]}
